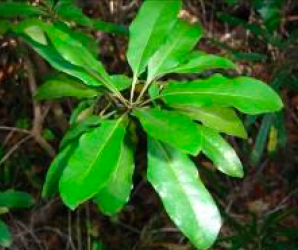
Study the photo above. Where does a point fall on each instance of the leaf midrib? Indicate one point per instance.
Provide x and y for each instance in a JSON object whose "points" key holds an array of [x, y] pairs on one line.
{"points": [[225, 94], [108, 138], [148, 41], [168, 52]]}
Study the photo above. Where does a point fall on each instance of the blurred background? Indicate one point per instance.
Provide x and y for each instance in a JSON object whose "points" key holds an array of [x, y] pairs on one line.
{"points": [[260, 212]]}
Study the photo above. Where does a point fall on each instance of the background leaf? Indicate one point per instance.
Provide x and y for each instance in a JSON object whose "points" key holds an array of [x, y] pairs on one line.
{"points": [[14, 199], [5, 236], [20, 9]]}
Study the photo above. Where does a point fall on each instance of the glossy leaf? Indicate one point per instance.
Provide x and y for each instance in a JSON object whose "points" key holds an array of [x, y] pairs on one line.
{"points": [[83, 37], [51, 185], [220, 119], [149, 30], [19, 9], [171, 127], [14, 199], [74, 52], [198, 62], [180, 41], [247, 94], [5, 236], [121, 82], [63, 86], [114, 195], [79, 128], [221, 153], [186, 200], [92, 163], [57, 62]]}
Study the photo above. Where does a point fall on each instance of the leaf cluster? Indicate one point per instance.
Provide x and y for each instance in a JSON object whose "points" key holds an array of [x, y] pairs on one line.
{"points": [[180, 118]]}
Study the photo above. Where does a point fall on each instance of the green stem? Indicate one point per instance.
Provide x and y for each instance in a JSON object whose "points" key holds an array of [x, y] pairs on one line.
{"points": [[146, 86], [134, 83]]}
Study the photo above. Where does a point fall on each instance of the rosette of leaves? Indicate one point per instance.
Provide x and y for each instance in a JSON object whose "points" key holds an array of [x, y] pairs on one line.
{"points": [[180, 118], [9, 200]]}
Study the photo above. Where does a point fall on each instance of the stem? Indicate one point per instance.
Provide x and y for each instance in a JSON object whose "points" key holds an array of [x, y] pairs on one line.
{"points": [[110, 86], [134, 83], [146, 86]]}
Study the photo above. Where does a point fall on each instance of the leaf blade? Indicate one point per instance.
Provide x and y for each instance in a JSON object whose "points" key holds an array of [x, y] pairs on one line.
{"points": [[149, 29], [247, 94], [171, 127], [59, 87], [84, 177], [5, 236], [114, 195], [186, 200], [180, 41], [221, 153], [220, 119]]}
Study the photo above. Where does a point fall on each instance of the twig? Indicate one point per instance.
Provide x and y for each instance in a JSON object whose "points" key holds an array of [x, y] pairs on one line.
{"points": [[14, 148], [38, 113]]}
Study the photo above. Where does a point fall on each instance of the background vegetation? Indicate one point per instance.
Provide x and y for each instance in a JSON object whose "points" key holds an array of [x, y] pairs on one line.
{"points": [[260, 211]]}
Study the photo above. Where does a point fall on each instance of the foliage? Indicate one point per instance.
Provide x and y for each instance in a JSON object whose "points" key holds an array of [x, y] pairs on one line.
{"points": [[11, 199], [180, 118]]}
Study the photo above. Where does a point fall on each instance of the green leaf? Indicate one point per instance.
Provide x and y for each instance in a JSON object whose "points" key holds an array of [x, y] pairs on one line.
{"points": [[70, 12], [79, 128], [114, 195], [51, 185], [180, 41], [220, 119], [20, 9], [13, 199], [72, 50], [92, 163], [110, 27], [56, 61], [88, 41], [5, 236], [83, 110], [198, 62], [221, 153], [261, 139], [77, 54], [247, 94], [4, 27], [149, 30], [64, 86], [171, 127], [34, 28], [121, 82], [188, 203]]}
